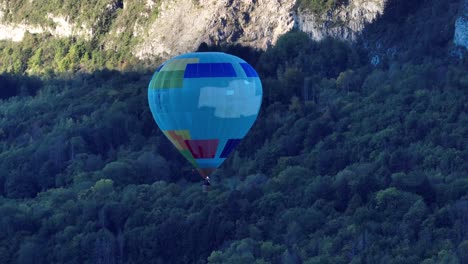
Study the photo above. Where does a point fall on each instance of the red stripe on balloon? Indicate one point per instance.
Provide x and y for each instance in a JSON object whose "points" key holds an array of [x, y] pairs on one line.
{"points": [[203, 149]]}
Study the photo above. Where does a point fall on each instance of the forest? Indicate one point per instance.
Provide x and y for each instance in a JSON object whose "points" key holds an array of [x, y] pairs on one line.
{"points": [[349, 161]]}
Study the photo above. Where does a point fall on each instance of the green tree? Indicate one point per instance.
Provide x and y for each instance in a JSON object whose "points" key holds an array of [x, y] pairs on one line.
{"points": [[35, 62], [31, 252]]}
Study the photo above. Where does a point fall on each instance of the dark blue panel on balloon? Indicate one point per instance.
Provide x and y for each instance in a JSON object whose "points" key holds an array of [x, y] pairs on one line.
{"points": [[209, 70], [231, 144], [249, 71]]}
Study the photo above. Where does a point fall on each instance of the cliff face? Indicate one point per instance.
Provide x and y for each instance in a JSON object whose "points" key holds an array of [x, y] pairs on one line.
{"points": [[344, 22], [169, 27], [61, 28], [461, 26], [183, 25], [57, 26]]}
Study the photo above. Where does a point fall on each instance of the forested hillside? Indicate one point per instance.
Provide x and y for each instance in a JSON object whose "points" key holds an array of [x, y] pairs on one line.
{"points": [[348, 162]]}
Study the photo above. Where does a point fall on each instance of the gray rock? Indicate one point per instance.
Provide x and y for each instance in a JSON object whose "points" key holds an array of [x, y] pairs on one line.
{"points": [[182, 25], [375, 60], [461, 27], [344, 22]]}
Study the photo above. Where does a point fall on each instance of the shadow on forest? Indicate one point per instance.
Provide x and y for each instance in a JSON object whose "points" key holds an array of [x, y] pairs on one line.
{"points": [[67, 124]]}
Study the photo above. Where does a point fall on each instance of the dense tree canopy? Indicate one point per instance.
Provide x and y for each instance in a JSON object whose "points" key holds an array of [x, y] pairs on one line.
{"points": [[348, 162]]}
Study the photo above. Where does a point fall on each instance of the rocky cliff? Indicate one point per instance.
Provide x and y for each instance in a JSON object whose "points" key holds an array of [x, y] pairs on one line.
{"points": [[344, 22], [168, 27], [57, 25], [61, 28], [182, 25]]}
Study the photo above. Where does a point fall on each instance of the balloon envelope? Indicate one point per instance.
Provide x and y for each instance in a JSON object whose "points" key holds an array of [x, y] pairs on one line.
{"points": [[205, 103]]}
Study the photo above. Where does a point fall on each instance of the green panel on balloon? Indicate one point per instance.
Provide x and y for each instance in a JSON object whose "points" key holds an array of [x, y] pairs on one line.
{"points": [[168, 79], [219, 103], [188, 155], [171, 74]]}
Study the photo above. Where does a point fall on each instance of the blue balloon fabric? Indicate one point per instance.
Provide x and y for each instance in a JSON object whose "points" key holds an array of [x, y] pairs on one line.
{"points": [[205, 103]]}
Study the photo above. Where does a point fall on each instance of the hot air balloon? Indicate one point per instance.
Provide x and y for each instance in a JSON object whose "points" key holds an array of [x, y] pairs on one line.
{"points": [[205, 103]]}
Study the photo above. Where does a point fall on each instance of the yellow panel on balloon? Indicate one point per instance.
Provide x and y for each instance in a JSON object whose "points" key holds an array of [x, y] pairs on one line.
{"points": [[179, 64], [177, 138]]}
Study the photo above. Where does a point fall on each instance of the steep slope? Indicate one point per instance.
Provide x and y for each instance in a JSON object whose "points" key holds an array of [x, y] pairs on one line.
{"points": [[150, 29], [163, 28], [182, 26]]}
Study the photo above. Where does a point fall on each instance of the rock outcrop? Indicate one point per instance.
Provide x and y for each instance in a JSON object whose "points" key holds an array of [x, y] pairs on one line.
{"points": [[461, 26], [57, 26], [16, 32], [344, 22], [182, 25], [164, 28]]}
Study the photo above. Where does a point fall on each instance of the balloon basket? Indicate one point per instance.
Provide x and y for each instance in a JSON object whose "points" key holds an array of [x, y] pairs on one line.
{"points": [[206, 188]]}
